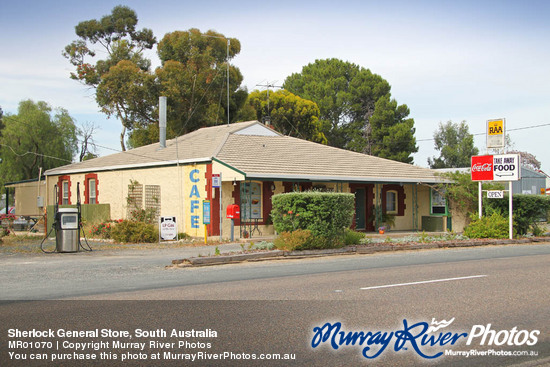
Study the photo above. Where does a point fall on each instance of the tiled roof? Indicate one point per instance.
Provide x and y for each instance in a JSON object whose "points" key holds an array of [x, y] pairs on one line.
{"points": [[198, 145], [260, 157], [292, 158]]}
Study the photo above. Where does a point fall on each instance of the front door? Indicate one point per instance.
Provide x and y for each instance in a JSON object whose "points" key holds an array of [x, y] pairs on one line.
{"points": [[360, 212]]}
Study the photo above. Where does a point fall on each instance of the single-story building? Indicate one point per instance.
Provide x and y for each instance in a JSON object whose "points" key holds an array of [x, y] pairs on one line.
{"points": [[253, 162], [532, 182]]}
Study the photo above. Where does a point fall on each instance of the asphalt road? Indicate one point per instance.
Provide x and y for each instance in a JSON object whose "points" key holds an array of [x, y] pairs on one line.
{"points": [[273, 307]]}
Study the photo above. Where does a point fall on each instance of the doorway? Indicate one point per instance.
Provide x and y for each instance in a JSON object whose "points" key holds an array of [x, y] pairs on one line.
{"points": [[364, 198]]}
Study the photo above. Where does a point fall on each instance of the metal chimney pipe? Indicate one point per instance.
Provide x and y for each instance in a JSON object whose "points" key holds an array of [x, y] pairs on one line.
{"points": [[162, 122]]}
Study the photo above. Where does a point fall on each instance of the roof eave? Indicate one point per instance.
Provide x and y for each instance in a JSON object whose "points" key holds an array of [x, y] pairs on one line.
{"points": [[56, 171], [323, 178]]}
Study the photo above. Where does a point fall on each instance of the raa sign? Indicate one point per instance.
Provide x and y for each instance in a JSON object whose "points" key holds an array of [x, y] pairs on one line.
{"points": [[503, 167]]}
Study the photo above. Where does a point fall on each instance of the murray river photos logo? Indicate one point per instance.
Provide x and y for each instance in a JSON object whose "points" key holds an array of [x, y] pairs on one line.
{"points": [[420, 337]]}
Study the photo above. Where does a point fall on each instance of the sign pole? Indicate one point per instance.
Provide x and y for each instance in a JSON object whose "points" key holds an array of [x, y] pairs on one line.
{"points": [[479, 198], [221, 205], [510, 224]]}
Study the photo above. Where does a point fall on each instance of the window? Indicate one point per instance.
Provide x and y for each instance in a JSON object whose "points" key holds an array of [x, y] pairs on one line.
{"points": [[92, 198], [64, 190], [393, 199], [251, 200], [91, 191], [391, 202], [439, 204], [65, 195]]}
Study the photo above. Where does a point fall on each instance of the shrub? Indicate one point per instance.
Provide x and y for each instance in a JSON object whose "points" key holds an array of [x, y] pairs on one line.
{"points": [[493, 226], [299, 239], [148, 215], [101, 230], [352, 237], [263, 245], [527, 210], [325, 214], [134, 232]]}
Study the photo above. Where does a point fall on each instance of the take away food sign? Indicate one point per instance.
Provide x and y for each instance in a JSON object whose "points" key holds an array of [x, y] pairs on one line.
{"points": [[503, 167]]}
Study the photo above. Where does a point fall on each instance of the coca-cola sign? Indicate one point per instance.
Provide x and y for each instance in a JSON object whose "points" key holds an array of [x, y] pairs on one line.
{"points": [[503, 167], [482, 168]]}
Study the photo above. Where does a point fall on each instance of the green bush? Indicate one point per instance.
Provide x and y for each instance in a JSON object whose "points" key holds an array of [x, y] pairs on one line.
{"points": [[493, 226], [352, 237], [300, 239], [527, 210], [325, 214], [134, 232]]}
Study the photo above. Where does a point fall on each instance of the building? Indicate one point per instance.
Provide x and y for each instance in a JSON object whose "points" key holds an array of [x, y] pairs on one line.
{"points": [[253, 162], [531, 182]]}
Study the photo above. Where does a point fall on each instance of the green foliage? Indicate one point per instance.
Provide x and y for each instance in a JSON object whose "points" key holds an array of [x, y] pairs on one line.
{"points": [[352, 237], [36, 137], [129, 93], [117, 34], [290, 114], [455, 144], [325, 214], [349, 98], [392, 134], [493, 226], [122, 78], [381, 218], [300, 239], [527, 210], [148, 215], [263, 245], [134, 232]]}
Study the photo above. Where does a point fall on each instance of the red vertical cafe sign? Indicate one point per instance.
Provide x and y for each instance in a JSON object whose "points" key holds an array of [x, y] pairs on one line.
{"points": [[482, 168]]}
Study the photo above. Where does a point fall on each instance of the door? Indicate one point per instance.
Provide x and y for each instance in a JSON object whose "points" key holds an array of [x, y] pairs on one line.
{"points": [[360, 218]]}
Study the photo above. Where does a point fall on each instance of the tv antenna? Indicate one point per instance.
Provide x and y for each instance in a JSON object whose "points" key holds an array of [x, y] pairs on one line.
{"points": [[267, 118]]}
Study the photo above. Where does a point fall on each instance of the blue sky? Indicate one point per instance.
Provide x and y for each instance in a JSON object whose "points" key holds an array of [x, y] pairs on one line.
{"points": [[447, 60]]}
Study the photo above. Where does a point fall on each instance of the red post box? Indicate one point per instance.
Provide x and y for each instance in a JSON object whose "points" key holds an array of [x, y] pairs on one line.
{"points": [[233, 211]]}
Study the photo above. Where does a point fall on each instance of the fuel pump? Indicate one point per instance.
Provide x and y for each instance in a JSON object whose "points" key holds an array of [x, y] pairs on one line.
{"points": [[67, 225]]}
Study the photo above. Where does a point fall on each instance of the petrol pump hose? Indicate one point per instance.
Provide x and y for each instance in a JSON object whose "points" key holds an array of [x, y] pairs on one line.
{"points": [[79, 241], [54, 224]]}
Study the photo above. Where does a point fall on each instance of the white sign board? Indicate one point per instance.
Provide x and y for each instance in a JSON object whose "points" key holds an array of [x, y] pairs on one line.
{"points": [[495, 133], [506, 167], [168, 229], [216, 180], [495, 194]]}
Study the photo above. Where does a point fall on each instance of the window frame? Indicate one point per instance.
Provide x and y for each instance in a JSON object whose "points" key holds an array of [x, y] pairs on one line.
{"points": [[88, 179], [433, 202], [395, 208]]}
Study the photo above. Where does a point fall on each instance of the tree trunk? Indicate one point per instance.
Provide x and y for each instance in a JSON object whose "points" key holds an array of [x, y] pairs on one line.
{"points": [[122, 134]]}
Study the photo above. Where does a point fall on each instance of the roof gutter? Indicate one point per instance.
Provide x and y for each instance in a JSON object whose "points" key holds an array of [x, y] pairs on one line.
{"points": [[343, 178], [56, 172]]}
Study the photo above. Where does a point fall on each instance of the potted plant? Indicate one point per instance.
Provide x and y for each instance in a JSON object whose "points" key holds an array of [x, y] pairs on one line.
{"points": [[384, 220]]}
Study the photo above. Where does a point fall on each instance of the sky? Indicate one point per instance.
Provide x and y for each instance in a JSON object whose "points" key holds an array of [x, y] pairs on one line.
{"points": [[446, 60]]}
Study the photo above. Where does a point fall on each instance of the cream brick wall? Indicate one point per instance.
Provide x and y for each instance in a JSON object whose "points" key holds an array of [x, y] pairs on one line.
{"points": [[177, 185]]}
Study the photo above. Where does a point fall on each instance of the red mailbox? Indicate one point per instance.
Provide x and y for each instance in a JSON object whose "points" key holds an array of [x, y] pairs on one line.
{"points": [[233, 211]]}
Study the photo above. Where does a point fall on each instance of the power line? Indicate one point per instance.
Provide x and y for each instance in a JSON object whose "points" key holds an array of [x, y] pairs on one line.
{"points": [[515, 129]]}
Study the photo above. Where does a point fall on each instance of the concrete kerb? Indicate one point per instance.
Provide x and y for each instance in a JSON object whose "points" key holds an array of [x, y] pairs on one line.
{"points": [[349, 250]]}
